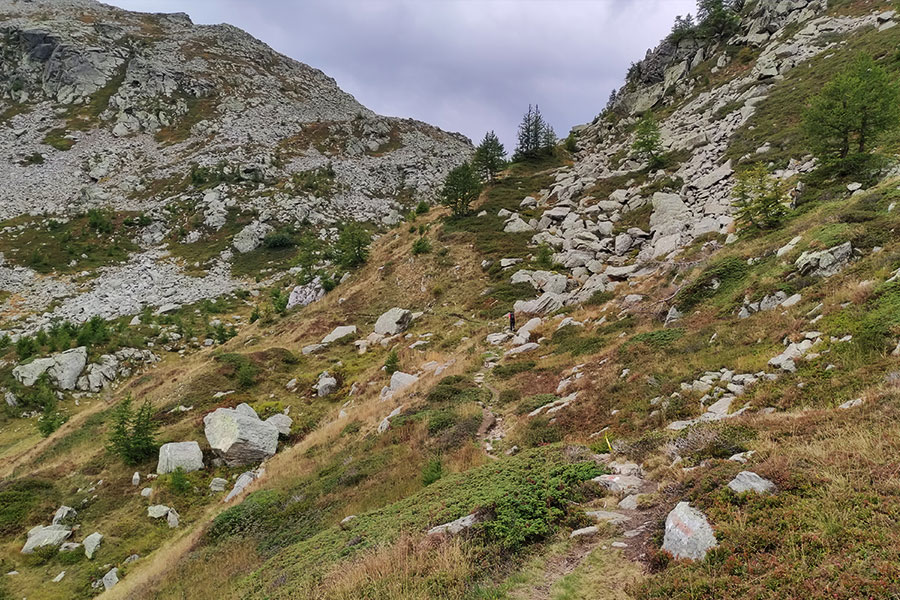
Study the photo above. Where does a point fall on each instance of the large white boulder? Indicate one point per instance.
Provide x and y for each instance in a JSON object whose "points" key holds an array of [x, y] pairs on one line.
{"points": [[239, 437], [393, 321], [688, 533], [186, 455]]}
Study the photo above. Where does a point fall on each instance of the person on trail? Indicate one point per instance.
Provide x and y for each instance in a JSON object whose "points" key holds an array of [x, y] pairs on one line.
{"points": [[512, 321]]}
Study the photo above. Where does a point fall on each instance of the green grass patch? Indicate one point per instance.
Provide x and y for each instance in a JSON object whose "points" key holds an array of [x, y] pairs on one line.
{"points": [[718, 278]]}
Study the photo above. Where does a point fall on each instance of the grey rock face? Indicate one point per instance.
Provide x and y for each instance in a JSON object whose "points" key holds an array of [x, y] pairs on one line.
{"points": [[91, 543], [339, 334], [52, 62], [173, 455], [110, 579], [64, 515], [242, 482], [393, 321], [688, 534], [748, 481], [217, 484], [326, 385], [157, 511], [400, 381], [825, 263], [455, 527], [304, 295], [239, 438], [282, 423], [62, 369], [51, 535]]}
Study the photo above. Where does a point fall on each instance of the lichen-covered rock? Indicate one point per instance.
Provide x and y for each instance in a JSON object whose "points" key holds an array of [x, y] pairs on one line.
{"points": [[825, 263], [688, 534], [239, 438]]}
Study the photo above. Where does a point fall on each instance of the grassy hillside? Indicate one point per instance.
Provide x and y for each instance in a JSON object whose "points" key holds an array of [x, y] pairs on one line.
{"points": [[344, 509]]}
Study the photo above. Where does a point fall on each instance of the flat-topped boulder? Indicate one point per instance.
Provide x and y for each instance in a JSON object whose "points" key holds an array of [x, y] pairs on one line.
{"points": [[239, 437], [186, 455]]}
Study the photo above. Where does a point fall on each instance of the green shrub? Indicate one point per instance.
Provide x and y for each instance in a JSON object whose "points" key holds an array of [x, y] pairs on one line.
{"points": [[26, 347], [508, 397], [540, 431], [569, 339], [432, 471], [93, 332], [422, 208], [525, 512], [392, 363], [422, 245], [133, 434], [100, 220], [453, 390], [178, 481], [533, 402], [280, 239], [661, 338], [50, 421], [599, 297], [279, 301], [20, 499], [256, 511], [510, 369], [246, 375], [440, 420], [267, 408], [543, 258], [720, 276], [352, 246]]}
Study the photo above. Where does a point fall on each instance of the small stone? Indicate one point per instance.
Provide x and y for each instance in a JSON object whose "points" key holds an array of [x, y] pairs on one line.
{"points": [[748, 481], [585, 532]]}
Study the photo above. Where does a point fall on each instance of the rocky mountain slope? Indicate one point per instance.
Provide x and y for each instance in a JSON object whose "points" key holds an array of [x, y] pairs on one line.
{"points": [[184, 131], [686, 409]]}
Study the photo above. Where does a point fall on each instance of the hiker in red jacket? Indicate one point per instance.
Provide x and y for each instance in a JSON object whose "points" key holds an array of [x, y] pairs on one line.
{"points": [[512, 321]]}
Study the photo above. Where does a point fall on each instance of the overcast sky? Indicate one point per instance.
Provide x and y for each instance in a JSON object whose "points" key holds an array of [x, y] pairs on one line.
{"points": [[463, 65]]}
